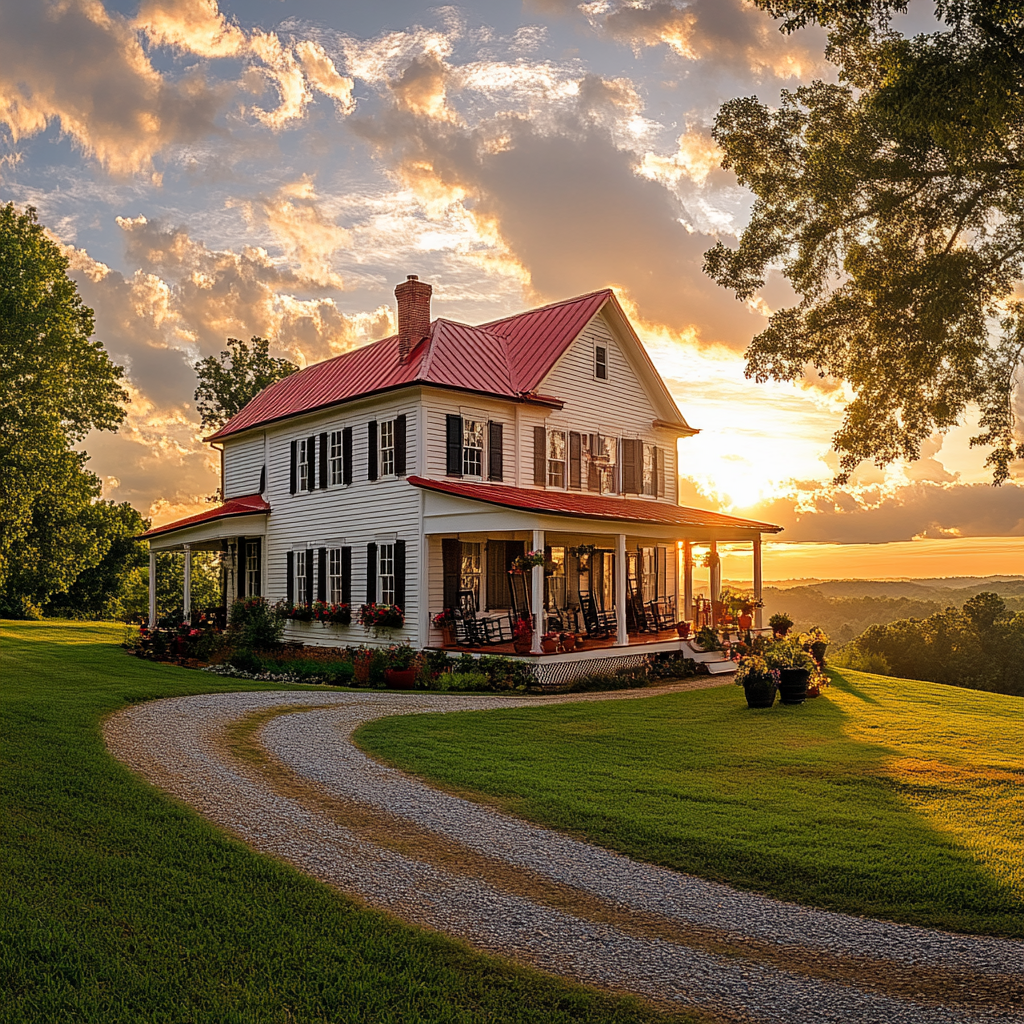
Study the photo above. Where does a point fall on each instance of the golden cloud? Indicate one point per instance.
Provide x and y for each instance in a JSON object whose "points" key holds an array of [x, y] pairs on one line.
{"points": [[193, 25]]}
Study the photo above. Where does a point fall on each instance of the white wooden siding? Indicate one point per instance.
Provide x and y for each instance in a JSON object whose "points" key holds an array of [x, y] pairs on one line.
{"points": [[358, 513], [243, 463]]}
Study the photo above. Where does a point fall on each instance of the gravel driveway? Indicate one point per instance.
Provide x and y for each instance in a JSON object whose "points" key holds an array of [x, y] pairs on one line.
{"points": [[279, 771]]}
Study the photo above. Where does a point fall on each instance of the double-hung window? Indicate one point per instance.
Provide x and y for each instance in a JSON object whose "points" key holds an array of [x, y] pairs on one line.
{"points": [[334, 575], [602, 458], [386, 572], [387, 448], [600, 362], [252, 567], [336, 458], [650, 481], [557, 450], [301, 579], [472, 447], [305, 458]]}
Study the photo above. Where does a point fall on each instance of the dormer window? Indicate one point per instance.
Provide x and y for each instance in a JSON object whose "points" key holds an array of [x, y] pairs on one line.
{"points": [[600, 362]]}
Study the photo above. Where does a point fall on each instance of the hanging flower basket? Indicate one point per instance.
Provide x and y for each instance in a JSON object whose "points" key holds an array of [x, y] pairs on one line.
{"points": [[529, 560]]}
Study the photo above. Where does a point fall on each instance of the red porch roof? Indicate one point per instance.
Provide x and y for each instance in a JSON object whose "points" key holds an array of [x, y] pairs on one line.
{"points": [[250, 504], [508, 358], [592, 506]]}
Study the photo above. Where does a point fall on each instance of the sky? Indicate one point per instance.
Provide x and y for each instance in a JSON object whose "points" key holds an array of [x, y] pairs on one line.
{"points": [[276, 167]]}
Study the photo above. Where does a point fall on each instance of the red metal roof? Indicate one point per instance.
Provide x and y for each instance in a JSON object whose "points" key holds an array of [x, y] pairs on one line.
{"points": [[592, 506], [250, 504], [507, 357]]}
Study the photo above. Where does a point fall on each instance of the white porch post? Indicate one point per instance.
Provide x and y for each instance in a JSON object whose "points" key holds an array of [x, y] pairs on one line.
{"points": [[537, 598], [187, 595], [688, 581], [152, 588], [757, 581], [621, 636], [715, 581], [679, 591]]}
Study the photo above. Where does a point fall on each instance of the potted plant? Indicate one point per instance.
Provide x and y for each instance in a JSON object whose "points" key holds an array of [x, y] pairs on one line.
{"points": [[549, 643], [794, 666], [529, 560], [706, 639], [401, 671], [758, 681], [683, 629], [568, 642], [780, 623], [522, 636], [444, 622]]}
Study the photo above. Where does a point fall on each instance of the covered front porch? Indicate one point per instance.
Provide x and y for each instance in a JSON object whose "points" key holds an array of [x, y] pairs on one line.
{"points": [[633, 575]]}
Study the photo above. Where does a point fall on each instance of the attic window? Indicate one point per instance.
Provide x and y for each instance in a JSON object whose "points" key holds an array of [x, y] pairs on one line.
{"points": [[600, 362]]}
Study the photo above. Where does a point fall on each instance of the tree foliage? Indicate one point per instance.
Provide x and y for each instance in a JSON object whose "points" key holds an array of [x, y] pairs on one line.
{"points": [[980, 646], [228, 383], [894, 204], [56, 384], [132, 601]]}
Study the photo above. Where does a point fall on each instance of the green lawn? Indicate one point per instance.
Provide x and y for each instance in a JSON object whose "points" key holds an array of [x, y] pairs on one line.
{"points": [[118, 905], [886, 797]]}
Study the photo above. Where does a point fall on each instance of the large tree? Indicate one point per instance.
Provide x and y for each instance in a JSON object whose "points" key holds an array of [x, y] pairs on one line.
{"points": [[56, 384], [893, 202], [235, 378]]}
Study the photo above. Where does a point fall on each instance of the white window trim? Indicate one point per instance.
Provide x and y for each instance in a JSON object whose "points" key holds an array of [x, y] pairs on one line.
{"points": [[381, 576], [340, 459], [381, 471], [607, 362]]}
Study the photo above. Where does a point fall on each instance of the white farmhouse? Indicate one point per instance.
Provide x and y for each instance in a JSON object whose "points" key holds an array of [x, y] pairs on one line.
{"points": [[415, 470]]}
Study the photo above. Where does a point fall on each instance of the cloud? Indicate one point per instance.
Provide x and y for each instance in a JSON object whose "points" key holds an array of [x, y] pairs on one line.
{"points": [[183, 302], [732, 34], [697, 156], [79, 65], [193, 25], [918, 510], [422, 88], [294, 215]]}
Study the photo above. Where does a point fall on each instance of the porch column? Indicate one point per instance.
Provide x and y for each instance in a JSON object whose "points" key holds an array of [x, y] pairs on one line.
{"points": [[688, 581], [537, 597], [152, 588], [187, 595], [757, 581], [715, 577], [621, 636]]}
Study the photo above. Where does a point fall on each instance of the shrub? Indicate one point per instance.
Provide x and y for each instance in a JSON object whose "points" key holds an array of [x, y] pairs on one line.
{"points": [[465, 681], [707, 639], [246, 661], [254, 625], [671, 666], [780, 623]]}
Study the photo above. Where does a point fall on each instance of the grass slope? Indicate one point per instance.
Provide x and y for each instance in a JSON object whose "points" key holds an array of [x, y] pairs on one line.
{"points": [[887, 797], [119, 905]]}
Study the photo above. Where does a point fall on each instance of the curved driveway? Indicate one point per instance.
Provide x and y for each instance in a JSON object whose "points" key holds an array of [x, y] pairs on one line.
{"points": [[279, 770]]}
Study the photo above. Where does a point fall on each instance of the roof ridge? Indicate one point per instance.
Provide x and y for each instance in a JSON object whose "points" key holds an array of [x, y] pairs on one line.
{"points": [[550, 305]]}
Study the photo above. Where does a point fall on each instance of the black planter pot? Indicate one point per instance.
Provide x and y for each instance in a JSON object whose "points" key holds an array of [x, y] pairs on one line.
{"points": [[793, 685], [756, 697]]}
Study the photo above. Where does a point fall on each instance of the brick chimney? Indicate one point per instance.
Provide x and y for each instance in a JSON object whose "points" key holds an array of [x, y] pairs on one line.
{"points": [[413, 297]]}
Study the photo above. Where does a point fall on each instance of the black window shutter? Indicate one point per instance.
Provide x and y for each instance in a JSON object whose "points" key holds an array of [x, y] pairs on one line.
{"points": [[659, 486], [451, 569], [629, 467], [259, 566], [309, 575], [400, 459], [540, 456], [346, 575], [291, 578], [311, 462], [575, 460], [371, 573], [400, 574], [240, 570], [293, 471], [371, 450], [263, 479], [321, 569], [323, 461], [346, 455], [593, 473], [454, 438], [496, 451]]}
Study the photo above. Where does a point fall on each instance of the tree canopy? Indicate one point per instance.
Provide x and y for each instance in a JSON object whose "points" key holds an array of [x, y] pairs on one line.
{"points": [[893, 202], [229, 382], [56, 384]]}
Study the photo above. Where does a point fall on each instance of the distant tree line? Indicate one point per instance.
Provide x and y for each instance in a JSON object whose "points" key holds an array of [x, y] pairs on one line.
{"points": [[979, 646]]}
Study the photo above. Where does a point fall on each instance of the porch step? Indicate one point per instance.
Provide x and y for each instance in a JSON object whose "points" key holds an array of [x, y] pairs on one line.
{"points": [[696, 654], [720, 668]]}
